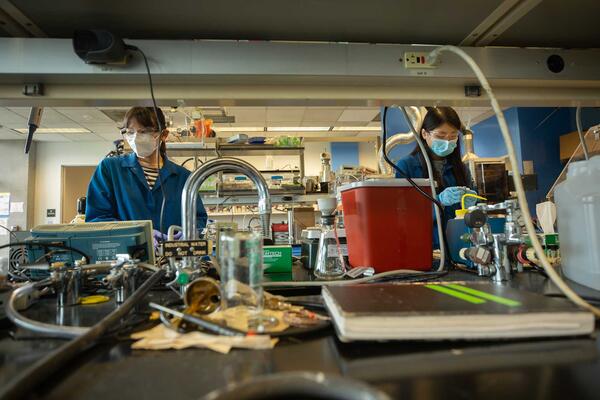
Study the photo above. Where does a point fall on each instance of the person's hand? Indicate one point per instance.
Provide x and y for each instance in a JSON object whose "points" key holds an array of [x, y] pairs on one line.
{"points": [[470, 201], [158, 237], [451, 195]]}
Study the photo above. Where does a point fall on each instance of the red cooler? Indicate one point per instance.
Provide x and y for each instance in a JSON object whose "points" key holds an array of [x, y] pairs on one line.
{"points": [[389, 225]]}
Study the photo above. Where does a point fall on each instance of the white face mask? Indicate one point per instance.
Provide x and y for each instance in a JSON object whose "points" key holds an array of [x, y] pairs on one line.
{"points": [[143, 144]]}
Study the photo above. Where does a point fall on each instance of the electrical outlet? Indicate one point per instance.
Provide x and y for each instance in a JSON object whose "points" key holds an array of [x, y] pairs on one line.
{"points": [[417, 59]]}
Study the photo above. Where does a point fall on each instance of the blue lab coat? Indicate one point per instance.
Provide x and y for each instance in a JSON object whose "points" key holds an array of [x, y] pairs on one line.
{"points": [[119, 191], [411, 166]]}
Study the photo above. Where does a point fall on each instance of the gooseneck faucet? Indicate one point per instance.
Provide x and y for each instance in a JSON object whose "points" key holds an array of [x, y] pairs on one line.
{"points": [[189, 196]]}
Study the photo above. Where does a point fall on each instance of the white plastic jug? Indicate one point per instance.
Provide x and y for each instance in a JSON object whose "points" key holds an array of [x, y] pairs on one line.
{"points": [[578, 216]]}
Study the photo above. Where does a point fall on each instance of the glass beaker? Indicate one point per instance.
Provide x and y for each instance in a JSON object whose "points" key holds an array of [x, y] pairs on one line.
{"points": [[241, 260]]}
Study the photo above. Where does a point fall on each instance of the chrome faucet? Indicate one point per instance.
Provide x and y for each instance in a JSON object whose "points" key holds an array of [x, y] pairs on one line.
{"points": [[189, 196]]}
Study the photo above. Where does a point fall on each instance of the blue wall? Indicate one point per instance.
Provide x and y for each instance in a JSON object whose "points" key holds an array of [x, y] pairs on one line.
{"points": [[396, 123], [344, 153], [541, 128], [589, 117], [487, 139]]}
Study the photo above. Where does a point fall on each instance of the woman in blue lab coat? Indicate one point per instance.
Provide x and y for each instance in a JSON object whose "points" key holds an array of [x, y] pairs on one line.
{"points": [[131, 187], [440, 130]]}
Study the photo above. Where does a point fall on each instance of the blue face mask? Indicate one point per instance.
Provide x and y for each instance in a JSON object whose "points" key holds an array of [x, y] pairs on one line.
{"points": [[443, 147]]}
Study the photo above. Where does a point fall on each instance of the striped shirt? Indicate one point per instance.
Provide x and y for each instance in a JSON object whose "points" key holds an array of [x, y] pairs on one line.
{"points": [[151, 175]]}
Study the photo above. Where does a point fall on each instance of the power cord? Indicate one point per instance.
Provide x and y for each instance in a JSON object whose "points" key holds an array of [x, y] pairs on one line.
{"points": [[522, 199], [160, 129]]}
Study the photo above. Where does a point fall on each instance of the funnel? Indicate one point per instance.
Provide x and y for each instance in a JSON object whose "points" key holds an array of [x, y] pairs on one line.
{"points": [[327, 205]]}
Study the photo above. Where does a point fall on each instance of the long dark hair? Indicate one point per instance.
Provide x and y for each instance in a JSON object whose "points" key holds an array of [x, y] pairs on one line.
{"points": [[435, 117], [146, 117]]}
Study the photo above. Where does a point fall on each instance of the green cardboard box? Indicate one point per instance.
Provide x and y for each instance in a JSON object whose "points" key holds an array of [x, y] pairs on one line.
{"points": [[277, 258]]}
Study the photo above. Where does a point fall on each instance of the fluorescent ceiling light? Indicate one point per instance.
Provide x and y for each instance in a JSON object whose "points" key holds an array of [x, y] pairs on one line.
{"points": [[298, 128], [238, 129], [356, 128], [55, 130]]}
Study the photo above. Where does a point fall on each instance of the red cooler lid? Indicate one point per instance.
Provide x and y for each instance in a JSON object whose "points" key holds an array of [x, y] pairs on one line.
{"points": [[399, 182]]}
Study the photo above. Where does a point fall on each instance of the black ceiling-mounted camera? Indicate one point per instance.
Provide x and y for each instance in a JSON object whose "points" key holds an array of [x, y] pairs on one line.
{"points": [[96, 46]]}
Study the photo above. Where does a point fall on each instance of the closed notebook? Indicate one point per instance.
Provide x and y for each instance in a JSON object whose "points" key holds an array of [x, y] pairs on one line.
{"points": [[450, 311]]}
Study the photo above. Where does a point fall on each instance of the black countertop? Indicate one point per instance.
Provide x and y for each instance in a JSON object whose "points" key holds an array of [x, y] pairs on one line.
{"points": [[531, 369]]}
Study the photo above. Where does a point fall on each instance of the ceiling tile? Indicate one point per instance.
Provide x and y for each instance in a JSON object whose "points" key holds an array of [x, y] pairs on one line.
{"points": [[358, 114], [248, 114], [6, 134], [110, 137], [285, 114], [50, 118], [106, 128], [50, 137], [84, 137], [10, 118], [84, 114], [319, 123], [323, 114]]}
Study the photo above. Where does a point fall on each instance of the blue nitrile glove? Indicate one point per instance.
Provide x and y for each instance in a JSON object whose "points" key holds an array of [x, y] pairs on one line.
{"points": [[178, 235], [451, 195], [470, 201]]}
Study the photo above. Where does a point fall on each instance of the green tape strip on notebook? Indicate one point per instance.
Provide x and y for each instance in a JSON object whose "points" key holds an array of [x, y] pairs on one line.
{"points": [[485, 295], [459, 295]]}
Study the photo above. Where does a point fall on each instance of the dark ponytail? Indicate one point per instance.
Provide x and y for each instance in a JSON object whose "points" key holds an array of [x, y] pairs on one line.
{"points": [[436, 117]]}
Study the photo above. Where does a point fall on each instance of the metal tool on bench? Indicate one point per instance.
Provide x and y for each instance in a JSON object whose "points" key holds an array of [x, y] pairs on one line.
{"points": [[122, 277]]}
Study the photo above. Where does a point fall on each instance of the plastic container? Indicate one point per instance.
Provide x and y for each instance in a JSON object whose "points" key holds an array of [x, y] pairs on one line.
{"points": [[389, 225], [578, 216]]}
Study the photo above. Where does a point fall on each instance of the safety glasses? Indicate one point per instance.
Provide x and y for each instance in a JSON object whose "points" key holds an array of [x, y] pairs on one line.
{"points": [[443, 135], [132, 133]]}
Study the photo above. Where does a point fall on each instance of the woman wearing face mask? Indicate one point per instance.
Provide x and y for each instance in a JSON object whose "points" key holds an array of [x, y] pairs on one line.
{"points": [[129, 188], [440, 129]]}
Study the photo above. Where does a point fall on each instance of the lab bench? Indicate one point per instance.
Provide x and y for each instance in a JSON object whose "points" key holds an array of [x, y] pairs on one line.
{"points": [[528, 369]]}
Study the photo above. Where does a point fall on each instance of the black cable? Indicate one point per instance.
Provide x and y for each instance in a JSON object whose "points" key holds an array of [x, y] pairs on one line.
{"points": [[44, 244], [32, 377], [395, 167], [12, 234], [224, 201], [160, 129], [186, 161], [190, 159]]}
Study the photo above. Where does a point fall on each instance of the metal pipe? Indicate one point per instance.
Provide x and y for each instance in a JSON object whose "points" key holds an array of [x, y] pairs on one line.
{"points": [[67, 332], [396, 140], [416, 115], [189, 196]]}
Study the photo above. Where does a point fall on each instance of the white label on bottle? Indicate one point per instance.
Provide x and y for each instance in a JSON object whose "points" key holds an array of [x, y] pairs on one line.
{"points": [[333, 252]]}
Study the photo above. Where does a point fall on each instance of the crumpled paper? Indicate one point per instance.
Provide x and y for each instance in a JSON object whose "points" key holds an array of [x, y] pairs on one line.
{"points": [[162, 338]]}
